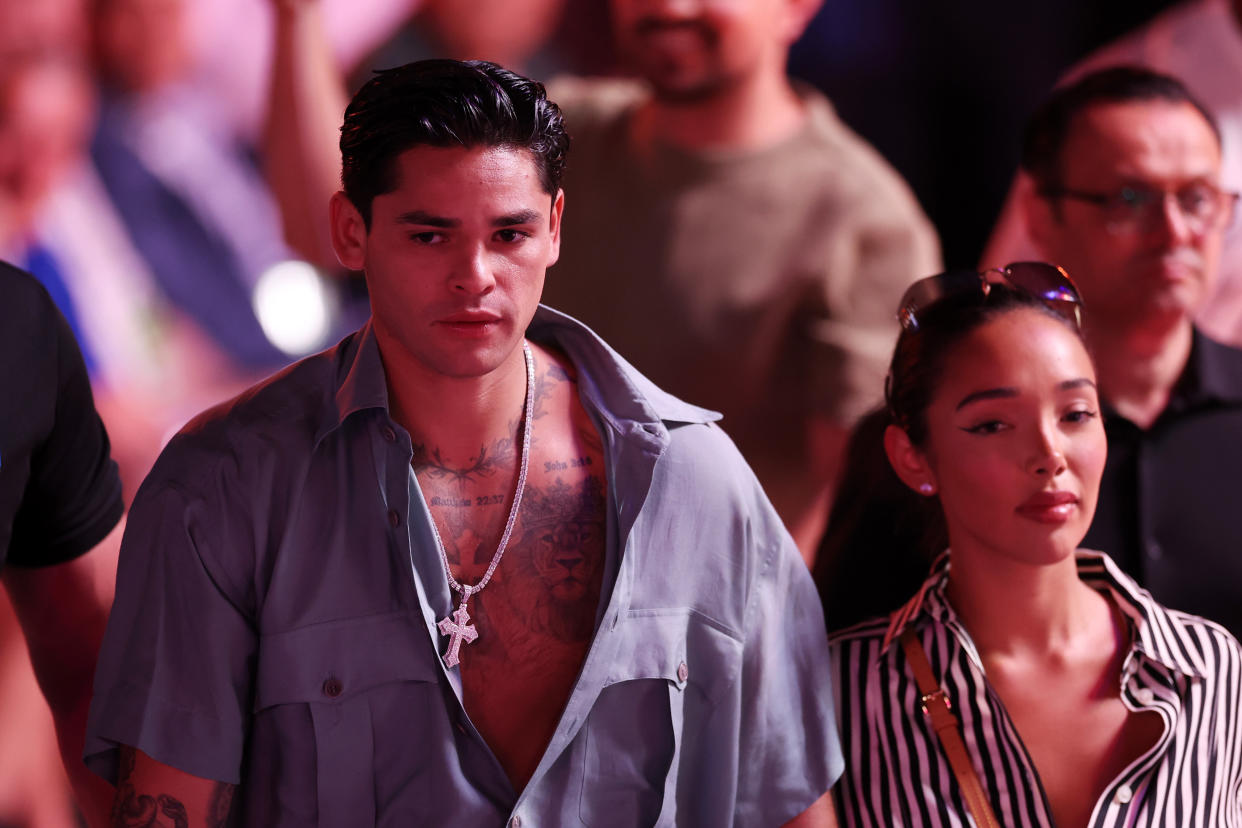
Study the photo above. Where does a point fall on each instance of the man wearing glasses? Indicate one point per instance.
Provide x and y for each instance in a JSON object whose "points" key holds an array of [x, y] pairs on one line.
{"points": [[1126, 169]]}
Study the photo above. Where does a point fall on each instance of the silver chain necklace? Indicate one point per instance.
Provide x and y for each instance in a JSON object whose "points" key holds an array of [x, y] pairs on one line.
{"points": [[457, 626]]}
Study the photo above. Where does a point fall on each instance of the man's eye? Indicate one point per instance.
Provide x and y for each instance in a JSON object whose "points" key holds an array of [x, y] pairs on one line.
{"points": [[1195, 200], [510, 235], [427, 237], [1134, 198]]}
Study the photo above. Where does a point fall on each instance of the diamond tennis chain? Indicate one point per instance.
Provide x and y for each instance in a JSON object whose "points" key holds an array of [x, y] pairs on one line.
{"points": [[457, 626]]}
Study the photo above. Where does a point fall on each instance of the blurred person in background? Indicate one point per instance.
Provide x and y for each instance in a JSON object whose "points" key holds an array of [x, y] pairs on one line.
{"points": [[1199, 42], [191, 196], [56, 221], [150, 366], [735, 240], [1127, 195]]}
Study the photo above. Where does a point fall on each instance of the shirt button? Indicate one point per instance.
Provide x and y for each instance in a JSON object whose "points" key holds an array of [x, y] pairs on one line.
{"points": [[683, 672], [389, 435], [1123, 795], [1144, 696], [394, 519], [1154, 551], [332, 688], [516, 822]]}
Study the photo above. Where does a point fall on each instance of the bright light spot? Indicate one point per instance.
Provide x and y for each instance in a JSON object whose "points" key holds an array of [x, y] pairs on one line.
{"points": [[293, 307]]}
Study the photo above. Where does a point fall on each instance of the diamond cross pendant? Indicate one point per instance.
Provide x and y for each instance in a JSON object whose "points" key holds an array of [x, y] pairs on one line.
{"points": [[458, 629]]}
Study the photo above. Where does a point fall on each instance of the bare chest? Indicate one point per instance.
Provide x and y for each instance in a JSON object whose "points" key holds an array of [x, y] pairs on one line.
{"points": [[1079, 736], [535, 619]]}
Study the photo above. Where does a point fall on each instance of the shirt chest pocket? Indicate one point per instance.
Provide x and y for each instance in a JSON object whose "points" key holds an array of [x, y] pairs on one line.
{"points": [[668, 671], [361, 681]]}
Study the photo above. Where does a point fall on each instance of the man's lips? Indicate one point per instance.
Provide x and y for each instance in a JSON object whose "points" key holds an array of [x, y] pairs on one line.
{"points": [[470, 323], [1049, 506], [470, 318]]}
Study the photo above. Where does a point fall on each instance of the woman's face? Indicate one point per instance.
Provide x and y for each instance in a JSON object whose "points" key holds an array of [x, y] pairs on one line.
{"points": [[1015, 445]]}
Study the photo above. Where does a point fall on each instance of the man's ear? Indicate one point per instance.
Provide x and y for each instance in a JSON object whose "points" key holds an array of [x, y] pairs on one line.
{"points": [[908, 461], [349, 232], [554, 227]]}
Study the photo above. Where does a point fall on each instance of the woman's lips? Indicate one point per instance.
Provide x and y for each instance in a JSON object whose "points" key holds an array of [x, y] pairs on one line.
{"points": [[1049, 507]]}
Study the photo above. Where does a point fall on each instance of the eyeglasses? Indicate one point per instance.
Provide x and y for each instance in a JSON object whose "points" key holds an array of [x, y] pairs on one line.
{"points": [[1137, 208], [1040, 280]]}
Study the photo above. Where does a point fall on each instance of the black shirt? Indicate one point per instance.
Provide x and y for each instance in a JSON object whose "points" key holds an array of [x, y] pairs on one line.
{"points": [[60, 493], [1170, 509]]}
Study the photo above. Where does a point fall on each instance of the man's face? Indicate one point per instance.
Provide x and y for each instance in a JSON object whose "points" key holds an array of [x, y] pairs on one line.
{"points": [[1152, 269], [455, 256], [141, 44], [694, 49]]}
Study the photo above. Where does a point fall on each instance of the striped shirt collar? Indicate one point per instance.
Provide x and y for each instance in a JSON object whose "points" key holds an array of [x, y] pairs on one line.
{"points": [[1158, 631]]}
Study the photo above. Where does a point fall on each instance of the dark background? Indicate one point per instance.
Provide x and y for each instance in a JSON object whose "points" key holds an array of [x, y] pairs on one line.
{"points": [[942, 88]]}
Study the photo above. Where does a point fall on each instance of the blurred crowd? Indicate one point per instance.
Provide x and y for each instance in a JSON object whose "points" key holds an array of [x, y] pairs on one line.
{"points": [[165, 167]]}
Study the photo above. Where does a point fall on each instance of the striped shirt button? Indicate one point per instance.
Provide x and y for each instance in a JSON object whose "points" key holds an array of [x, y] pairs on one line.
{"points": [[1123, 795], [1144, 696]]}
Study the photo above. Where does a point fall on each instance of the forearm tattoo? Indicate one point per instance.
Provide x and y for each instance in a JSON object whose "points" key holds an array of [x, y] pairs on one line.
{"points": [[131, 809]]}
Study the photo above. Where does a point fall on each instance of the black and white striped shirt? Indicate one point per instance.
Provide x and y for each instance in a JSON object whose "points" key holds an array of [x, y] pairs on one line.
{"points": [[1185, 668]]}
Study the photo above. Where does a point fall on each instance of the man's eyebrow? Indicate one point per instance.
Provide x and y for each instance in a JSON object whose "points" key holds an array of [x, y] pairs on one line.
{"points": [[1081, 382], [425, 219], [520, 217]]}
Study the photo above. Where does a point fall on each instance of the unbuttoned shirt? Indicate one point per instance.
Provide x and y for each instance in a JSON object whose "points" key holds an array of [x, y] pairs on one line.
{"points": [[279, 587], [1184, 668]]}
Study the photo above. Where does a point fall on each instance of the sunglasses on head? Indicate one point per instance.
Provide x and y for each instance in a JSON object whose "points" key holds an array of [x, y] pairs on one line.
{"points": [[1040, 280]]}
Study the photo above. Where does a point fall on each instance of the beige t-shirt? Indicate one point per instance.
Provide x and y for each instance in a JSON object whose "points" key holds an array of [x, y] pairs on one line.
{"points": [[762, 284]]}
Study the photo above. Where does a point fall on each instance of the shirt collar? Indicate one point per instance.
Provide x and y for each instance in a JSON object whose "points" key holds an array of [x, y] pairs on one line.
{"points": [[1158, 633], [618, 389]]}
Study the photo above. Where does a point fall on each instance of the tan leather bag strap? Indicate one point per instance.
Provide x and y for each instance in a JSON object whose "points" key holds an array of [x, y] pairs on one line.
{"points": [[938, 710]]}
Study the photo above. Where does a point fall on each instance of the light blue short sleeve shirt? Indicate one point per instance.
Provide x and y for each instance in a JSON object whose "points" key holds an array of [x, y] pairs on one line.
{"points": [[278, 588]]}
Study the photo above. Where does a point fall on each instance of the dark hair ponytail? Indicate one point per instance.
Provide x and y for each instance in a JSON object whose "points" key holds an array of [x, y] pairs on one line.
{"points": [[881, 535]]}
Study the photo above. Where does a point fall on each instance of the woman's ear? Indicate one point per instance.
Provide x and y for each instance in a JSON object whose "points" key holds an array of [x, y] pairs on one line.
{"points": [[908, 461]]}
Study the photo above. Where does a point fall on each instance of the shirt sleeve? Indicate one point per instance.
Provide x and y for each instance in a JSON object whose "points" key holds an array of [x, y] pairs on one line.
{"points": [[176, 666], [73, 495], [788, 742], [883, 243]]}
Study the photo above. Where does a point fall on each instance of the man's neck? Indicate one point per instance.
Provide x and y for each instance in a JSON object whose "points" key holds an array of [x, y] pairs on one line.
{"points": [[452, 415], [1140, 365], [757, 113]]}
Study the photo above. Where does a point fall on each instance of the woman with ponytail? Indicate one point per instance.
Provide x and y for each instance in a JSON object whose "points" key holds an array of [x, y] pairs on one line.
{"points": [[1024, 681]]}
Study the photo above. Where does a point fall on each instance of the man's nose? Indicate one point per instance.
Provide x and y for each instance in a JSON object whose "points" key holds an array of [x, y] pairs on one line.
{"points": [[472, 272]]}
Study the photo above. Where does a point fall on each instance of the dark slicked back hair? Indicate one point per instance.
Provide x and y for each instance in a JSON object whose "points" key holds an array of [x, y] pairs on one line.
{"points": [[1049, 127], [445, 103]]}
